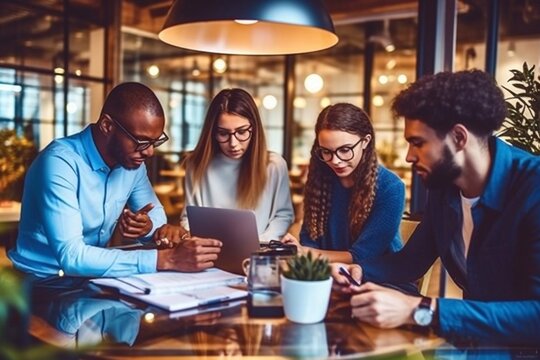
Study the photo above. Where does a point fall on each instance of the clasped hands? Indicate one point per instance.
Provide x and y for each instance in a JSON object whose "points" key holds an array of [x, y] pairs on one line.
{"points": [[372, 303], [177, 250]]}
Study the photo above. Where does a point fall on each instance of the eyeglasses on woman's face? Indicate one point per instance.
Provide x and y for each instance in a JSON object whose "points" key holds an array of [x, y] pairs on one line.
{"points": [[141, 145], [343, 153], [242, 134]]}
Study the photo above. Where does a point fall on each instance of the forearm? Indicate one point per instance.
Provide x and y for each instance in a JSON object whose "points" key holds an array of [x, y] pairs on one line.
{"points": [[91, 261], [332, 255], [277, 227], [505, 322]]}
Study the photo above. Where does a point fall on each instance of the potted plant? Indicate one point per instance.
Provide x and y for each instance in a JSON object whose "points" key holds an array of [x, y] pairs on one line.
{"points": [[521, 127], [16, 153], [305, 287]]}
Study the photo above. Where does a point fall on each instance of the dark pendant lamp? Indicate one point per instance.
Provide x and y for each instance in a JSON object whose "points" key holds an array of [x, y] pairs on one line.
{"points": [[249, 27]]}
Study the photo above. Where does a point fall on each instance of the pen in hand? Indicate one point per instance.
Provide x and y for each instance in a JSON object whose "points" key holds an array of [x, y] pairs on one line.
{"points": [[347, 274]]}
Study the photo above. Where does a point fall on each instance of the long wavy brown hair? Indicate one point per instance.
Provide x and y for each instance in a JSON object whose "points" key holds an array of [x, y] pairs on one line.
{"points": [[252, 178], [317, 199]]}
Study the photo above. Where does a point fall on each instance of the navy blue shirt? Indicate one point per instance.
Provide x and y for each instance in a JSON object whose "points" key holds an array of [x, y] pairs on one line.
{"points": [[502, 285], [380, 233]]}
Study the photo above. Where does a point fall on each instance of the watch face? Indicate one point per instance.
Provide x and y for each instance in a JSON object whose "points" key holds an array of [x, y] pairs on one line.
{"points": [[423, 316]]}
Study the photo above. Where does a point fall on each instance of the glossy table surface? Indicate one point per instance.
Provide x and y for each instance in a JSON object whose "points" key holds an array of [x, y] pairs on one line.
{"points": [[104, 325]]}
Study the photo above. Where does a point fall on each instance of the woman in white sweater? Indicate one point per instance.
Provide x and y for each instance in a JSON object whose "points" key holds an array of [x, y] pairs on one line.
{"points": [[231, 167]]}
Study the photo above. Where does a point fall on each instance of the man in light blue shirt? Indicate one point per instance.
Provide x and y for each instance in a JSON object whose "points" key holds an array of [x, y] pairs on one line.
{"points": [[76, 190]]}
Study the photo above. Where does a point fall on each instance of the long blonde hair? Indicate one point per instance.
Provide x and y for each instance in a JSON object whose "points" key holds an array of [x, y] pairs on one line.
{"points": [[317, 198], [253, 170]]}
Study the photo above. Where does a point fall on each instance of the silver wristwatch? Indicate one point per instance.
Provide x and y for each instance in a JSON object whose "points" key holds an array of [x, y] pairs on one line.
{"points": [[423, 314]]}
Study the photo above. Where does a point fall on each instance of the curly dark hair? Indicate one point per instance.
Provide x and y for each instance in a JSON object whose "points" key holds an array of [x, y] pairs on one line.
{"points": [[317, 199], [471, 98]]}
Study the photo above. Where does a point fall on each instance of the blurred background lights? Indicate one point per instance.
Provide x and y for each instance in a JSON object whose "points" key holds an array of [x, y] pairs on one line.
{"points": [[299, 102], [269, 102], [402, 79], [313, 83], [377, 101], [325, 101], [220, 65], [153, 71]]}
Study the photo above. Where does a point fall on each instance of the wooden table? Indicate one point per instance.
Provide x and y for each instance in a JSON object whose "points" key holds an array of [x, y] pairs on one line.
{"points": [[135, 330]]}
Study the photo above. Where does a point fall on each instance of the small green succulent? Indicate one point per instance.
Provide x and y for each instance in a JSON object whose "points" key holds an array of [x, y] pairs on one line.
{"points": [[307, 268]]}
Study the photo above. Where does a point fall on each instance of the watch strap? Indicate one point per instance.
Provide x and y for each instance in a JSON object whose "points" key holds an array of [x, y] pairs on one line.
{"points": [[425, 302]]}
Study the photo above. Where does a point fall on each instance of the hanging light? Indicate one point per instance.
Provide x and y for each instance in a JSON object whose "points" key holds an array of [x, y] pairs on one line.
{"points": [[219, 65], [511, 49], [384, 38], [313, 83], [249, 27], [195, 71]]}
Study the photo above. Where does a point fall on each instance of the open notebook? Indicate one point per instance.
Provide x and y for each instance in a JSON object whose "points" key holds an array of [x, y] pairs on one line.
{"points": [[175, 291]]}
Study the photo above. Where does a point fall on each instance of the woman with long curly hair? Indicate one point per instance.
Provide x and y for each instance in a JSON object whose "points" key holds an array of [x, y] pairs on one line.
{"points": [[231, 167], [352, 204]]}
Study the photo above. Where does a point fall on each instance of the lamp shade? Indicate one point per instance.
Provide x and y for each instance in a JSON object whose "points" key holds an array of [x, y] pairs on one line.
{"points": [[249, 27]]}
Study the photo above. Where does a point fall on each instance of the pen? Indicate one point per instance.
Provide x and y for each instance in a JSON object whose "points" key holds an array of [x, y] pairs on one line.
{"points": [[347, 274]]}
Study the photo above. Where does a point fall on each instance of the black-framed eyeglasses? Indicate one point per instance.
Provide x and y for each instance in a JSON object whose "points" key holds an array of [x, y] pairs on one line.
{"points": [[244, 134], [142, 144], [343, 153]]}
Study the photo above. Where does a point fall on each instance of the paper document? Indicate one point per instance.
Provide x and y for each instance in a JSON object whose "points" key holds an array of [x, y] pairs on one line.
{"points": [[167, 282], [175, 291]]}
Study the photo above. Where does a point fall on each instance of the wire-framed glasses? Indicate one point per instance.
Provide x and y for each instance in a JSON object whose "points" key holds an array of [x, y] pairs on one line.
{"points": [[343, 153], [142, 144], [243, 134]]}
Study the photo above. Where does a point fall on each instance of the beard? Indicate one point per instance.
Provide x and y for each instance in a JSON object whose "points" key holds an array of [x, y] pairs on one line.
{"points": [[444, 172], [117, 153]]}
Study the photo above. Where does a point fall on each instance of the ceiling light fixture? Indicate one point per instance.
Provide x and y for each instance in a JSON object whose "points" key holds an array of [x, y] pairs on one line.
{"points": [[249, 27], [384, 38]]}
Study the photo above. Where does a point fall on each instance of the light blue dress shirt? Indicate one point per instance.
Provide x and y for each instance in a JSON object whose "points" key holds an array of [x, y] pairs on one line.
{"points": [[71, 203]]}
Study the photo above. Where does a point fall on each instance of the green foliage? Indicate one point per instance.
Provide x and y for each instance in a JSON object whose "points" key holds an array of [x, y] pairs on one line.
{"points": [[12, 296], [521, 127], [307, 268], [16, 154]]}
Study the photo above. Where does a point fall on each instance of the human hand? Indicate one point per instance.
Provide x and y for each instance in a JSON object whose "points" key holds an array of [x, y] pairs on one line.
{"points": [[168, 236], [192, 254], [134, 225], [289, 239], [383, 307], [341, 282]]}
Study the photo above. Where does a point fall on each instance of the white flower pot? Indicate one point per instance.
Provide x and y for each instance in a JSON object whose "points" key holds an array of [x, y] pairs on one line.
{"points": [[305, 302]]}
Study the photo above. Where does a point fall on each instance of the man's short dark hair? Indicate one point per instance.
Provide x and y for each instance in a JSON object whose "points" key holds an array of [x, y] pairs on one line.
{"points": [[130, 96], [471, 98]]}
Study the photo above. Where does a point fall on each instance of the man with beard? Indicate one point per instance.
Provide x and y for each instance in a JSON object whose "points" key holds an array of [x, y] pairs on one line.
{"points": [[83, 187], [482, 218]]}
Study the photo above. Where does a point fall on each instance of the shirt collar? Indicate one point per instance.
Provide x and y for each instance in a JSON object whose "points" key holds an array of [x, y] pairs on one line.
{"points": [[92, 154], [494, 195]]}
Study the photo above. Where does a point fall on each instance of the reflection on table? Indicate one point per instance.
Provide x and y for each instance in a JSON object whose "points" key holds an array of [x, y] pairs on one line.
{"points": [[123, 327], [120, 328]]}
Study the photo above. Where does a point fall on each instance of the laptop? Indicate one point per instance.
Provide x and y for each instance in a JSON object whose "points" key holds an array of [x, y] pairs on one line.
{"points": [[236, 229]]}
